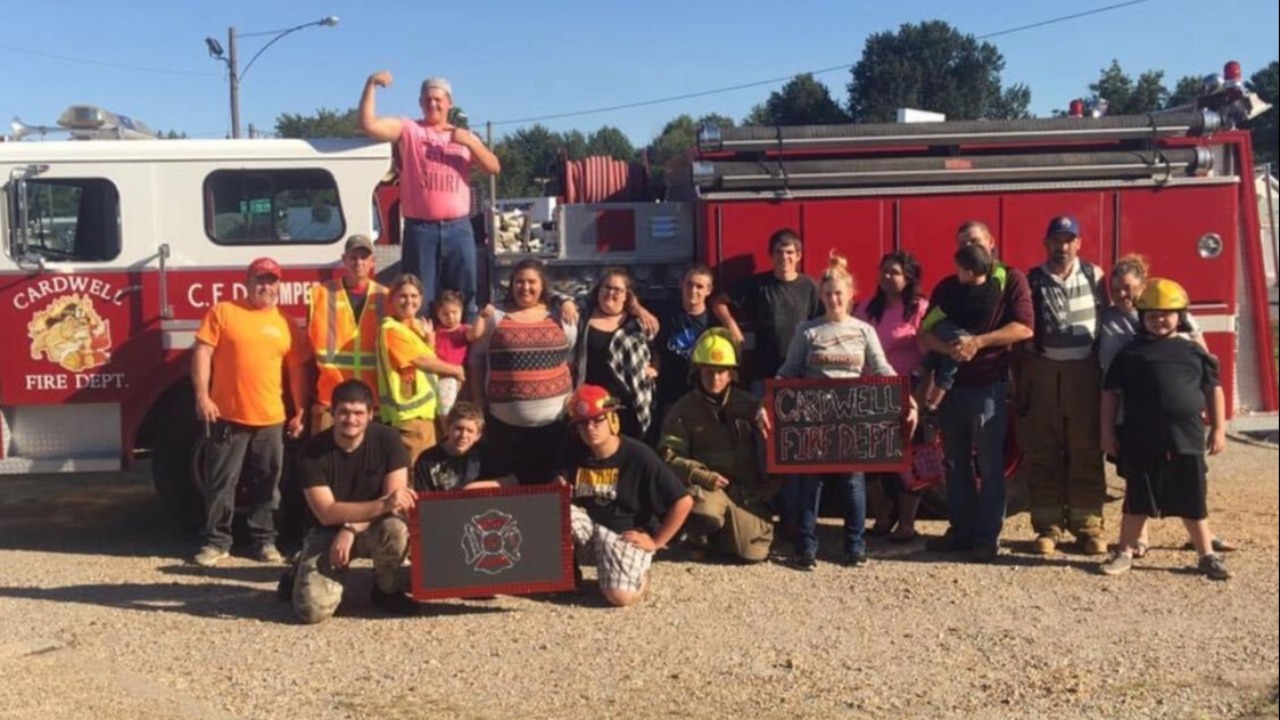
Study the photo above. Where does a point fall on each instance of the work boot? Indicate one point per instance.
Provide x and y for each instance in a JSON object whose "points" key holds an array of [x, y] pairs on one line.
{"points": [[1093, 545], [1046, 543]]}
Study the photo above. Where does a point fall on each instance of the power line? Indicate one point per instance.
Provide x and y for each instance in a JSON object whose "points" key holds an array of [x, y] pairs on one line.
{"points": [[101, 63], [819, 71]]}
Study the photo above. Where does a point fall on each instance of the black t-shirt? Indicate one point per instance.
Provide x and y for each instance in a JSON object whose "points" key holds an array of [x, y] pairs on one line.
{"points": [[976, 306], [777, 308], [437, 470], [1163, 382], [630, 489], [356, 476], [674, 345]]}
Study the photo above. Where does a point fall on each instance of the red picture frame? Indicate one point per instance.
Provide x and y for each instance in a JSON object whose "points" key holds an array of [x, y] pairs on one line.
{"points": [[772, 465], [422, 563]]}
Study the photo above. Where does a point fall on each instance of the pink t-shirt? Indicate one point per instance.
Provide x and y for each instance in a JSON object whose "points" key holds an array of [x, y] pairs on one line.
{"points": [[898, 334], [451, 345], [434, 174]]}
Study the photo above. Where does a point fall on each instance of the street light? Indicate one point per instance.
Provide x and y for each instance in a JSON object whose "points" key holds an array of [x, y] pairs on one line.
{"points": [[231, 58]]}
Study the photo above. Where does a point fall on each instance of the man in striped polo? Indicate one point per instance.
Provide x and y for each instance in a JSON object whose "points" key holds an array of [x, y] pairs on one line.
{"points": [[1058, 394]]}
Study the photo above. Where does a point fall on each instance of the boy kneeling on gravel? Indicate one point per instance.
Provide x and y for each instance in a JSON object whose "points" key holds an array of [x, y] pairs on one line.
{"points": [[355, 479], [627, 504], [1166, 383]]}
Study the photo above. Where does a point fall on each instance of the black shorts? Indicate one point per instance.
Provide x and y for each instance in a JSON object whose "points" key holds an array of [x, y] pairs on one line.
{"points": [[1165, 486]]}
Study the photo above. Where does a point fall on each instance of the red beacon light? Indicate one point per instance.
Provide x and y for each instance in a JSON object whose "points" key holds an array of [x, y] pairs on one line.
{"points": [[1232, 74], [1076, 108]]}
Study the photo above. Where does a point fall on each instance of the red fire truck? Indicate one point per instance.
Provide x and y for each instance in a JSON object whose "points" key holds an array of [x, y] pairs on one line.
{"points": [[113, 250]]}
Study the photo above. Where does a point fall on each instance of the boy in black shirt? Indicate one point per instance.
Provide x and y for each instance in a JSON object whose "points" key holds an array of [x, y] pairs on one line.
{"points": [[459, 461], [674, 344], [627, 503], [355, 479], [776, 302], [1166, 383]]}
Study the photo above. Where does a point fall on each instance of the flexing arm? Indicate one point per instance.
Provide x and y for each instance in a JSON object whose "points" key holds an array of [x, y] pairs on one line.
{"points": [[386, 129], [481, 156]]}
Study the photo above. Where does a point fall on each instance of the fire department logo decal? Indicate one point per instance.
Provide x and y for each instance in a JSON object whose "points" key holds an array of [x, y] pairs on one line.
{"points": [[70, 333], [491, 542]]}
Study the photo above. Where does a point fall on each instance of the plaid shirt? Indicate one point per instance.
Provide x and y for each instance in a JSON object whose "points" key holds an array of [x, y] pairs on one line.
{"points": [[629, 358]]}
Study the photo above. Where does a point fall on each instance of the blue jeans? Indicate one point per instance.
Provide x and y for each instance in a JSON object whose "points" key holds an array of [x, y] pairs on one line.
{"points": [[443, 256], [975, 420], [804, 494]]}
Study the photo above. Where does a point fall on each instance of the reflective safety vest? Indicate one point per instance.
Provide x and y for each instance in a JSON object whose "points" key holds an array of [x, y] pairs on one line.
{"points": [[345, 348], [404, 396]]}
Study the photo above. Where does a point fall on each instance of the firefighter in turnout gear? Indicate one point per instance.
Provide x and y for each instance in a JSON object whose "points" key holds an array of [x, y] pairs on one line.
{"points": [[343, 325], [710, 438]]}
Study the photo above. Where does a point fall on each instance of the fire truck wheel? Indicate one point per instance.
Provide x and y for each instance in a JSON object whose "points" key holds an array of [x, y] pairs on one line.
{"points": [[171, 472]]}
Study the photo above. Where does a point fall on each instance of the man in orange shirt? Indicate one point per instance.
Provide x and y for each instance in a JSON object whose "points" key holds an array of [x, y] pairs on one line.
{"points": [[241, 348], [343, 327]]}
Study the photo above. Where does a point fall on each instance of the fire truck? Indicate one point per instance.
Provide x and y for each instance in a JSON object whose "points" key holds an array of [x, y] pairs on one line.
{"points": [[114, 249]]}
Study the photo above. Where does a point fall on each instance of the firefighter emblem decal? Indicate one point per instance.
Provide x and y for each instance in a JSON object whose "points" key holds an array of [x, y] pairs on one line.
{"points": [[70, 333], [491, 542]]}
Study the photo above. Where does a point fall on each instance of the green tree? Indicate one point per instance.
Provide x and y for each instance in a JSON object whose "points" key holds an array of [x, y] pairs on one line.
{"points": [[932, 66], [801, 101], [611, 142], [529, 161], [1185, 92], [574, 144], [1265, 131], [325, 123], [1124, 96]]}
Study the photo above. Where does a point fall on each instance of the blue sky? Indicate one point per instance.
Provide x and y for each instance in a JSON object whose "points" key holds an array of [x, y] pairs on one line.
{"points": [[518, 59]]}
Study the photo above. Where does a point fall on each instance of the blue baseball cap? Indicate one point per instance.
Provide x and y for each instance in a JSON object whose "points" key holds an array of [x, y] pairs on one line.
{"points": [[1063, 225]]}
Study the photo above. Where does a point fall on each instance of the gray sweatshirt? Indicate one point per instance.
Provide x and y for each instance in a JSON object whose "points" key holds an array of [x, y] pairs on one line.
{"points": [[849, 348]]}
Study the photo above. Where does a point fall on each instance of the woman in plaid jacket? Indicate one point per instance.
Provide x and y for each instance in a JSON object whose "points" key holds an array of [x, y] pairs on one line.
{"points": [[613, 350]]}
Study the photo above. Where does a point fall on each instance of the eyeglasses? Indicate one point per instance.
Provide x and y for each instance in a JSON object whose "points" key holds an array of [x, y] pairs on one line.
{"points": [[613, 290]]}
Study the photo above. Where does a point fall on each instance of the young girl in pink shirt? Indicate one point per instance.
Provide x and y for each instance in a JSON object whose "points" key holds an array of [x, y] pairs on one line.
{"points": [[452, 339]]}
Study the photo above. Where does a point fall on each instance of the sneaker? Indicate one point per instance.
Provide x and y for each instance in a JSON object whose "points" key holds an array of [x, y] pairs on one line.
{"points": [[1093, 545], [984, 555], [268, 553], [856, 560], [1046, 544], [1214, 568], [1117, 563], [209, 556], [395, 603], [947, 543], [804, 561]]}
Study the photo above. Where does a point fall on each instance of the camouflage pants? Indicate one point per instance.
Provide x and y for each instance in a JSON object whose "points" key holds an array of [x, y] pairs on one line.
{"points": [[731, 529], [317, 589]]}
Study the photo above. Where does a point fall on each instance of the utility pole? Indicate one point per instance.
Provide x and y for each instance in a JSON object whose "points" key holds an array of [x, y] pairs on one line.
{"points": [[233, 66]]}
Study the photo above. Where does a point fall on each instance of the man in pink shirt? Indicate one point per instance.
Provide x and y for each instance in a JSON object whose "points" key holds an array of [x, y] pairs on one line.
{"points": [[435, 187]]}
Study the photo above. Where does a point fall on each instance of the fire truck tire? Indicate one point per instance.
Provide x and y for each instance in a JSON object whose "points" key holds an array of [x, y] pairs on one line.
{"points": [[171, 471]]}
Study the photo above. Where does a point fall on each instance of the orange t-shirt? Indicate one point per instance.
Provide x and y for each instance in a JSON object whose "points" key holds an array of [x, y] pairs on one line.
{"points": [[402, 349], [251, 347]]}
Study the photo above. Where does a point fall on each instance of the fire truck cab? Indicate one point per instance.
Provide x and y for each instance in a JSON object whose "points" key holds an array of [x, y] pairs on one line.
{"points": [[114, 250]]}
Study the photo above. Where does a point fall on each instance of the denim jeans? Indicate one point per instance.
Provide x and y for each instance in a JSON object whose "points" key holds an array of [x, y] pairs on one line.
{"points": [[443, 256], [804, 494], [974, 421]]}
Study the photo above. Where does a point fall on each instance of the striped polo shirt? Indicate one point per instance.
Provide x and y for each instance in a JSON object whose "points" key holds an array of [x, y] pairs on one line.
{"points": [[1066, 311]]}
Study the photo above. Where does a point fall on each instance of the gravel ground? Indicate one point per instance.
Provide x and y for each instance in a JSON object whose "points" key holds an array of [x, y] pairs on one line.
{"points": [[99, 618]]}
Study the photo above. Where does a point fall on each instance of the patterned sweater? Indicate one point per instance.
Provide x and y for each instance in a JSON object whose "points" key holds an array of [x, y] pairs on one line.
{"points": [[528, 377]]}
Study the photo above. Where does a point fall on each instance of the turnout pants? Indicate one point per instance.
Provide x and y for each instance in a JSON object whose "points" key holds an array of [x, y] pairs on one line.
{"points": [[731, 529], [317, 589], [1058, 406]]}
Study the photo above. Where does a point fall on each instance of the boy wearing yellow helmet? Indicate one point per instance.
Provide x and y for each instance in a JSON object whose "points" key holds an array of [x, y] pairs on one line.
{"points": [[711, 441], [1165, 383]]}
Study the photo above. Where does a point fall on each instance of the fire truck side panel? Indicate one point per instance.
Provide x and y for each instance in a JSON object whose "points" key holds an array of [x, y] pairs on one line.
{"points": [[861, 230], [927, 229], [1025, 216]]}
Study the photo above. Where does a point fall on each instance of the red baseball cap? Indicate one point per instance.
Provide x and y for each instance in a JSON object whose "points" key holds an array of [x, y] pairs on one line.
{"points": [[589, 402], [265, 266]]}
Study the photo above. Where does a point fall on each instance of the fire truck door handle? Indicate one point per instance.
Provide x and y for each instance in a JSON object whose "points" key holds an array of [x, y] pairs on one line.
{"points": [[166, 310], [131, 289]]}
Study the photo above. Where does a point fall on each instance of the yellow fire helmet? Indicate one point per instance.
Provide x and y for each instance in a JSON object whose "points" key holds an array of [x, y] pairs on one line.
{"points": [[715, 349], [1163, 294]]}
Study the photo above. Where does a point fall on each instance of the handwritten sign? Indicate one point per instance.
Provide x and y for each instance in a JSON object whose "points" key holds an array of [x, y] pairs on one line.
{"points": [[831, 426], [512, 541]]}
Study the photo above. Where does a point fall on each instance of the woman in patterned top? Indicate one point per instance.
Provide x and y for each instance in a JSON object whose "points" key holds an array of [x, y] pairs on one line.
{"points": [[613, 351], [524, 376]]}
